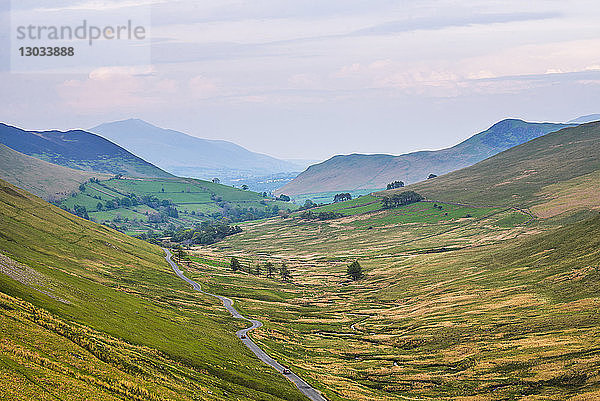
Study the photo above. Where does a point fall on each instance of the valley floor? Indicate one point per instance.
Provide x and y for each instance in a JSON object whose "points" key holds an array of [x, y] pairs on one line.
{"points": [[486, 306]]}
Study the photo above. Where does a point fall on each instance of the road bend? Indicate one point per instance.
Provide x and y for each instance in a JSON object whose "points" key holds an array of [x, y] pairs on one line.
{"points": [[304, 387]]}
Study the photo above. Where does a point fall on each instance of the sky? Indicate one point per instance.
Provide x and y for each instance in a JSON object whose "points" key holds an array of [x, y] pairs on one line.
{"points": [[309, 79]]}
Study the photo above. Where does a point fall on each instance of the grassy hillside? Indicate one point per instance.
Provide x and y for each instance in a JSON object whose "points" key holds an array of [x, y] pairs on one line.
{"points": [[358, 171], [79, 150], [87, 312], [46, 180], [122, 202], [537, 173]]}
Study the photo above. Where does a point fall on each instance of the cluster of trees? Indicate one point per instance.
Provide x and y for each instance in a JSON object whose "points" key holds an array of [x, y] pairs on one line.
{"points": [[342, 197], [268, 268], [310, 215], [80, 211], [395, 184], [430, 176], [401, 199], [205, 233], [284, 198]]}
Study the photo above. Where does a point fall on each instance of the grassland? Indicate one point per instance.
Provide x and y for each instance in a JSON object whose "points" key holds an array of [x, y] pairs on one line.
{"points": [[487, 307], [87, 312]]}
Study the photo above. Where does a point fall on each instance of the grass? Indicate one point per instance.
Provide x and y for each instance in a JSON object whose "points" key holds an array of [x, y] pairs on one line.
{"points": [[75, 285], [493, 306]]}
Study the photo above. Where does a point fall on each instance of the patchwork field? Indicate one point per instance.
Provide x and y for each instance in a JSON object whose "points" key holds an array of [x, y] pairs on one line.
{"points": [[194, 200]]}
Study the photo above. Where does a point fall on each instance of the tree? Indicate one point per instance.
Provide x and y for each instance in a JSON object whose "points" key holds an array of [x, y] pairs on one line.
{"points": [[395, 184], [270, 268], [99, 206], [284, 198], [285, 272], [257, 269], [431, 176], [216, 180], [245, 187], [82, 187], [179, 253], [355, 270], [235, 264], [401, 199], [342, 197]]}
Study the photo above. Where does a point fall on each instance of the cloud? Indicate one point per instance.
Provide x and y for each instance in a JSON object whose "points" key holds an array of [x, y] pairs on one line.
{"points": [[441, 22]]}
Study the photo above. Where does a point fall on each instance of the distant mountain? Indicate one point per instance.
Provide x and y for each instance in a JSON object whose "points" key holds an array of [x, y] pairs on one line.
{"points": [[46, 180], [79, 150], [586, 119], [359, 171], [552, 174], [189, 156]]}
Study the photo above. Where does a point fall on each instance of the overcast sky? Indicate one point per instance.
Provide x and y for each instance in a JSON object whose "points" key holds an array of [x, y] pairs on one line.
{"points": [[313, 78]]}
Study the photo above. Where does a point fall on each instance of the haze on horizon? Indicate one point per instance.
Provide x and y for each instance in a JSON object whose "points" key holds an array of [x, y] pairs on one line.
{"points": [[310, 79]]}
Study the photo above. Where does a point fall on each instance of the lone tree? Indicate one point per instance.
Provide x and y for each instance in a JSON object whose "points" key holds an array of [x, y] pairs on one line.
{"points": [[270, 268], [431, 176], [285, 272], [395, 184], [235, 264], [245, 187], [355, 270]]}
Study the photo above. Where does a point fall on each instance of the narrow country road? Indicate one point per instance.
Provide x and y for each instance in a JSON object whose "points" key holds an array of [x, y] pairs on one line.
{"points": [[304, 387]]}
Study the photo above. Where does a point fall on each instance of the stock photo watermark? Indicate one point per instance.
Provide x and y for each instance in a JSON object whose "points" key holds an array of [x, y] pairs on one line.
{"points": [[78, 36]]}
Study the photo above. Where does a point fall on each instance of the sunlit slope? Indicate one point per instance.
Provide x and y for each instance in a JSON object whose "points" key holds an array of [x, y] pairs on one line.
{"points": [[46, 180], [523, 176], [89, 313]]}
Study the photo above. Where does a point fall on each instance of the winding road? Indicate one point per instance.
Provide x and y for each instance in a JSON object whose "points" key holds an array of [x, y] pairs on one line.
{"points": [[304, 387]]}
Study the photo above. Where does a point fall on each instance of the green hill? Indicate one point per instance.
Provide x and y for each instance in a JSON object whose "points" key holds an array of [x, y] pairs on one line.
{"points": [[89, 313], [78, 149], [553, 173], [358, 171], [46, 180]]}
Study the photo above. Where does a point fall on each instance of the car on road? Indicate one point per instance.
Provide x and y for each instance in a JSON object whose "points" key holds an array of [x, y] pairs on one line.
{"points": [[286, 371], [243, 336]]}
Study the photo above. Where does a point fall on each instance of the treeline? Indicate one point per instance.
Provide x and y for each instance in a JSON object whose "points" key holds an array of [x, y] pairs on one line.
{"points": [[205, 233], [268, 268], [401, 199]]}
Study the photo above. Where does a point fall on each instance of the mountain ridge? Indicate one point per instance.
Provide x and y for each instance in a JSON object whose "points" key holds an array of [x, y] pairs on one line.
{"points": [[187, 155], [360, 171], [78, 149]]}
